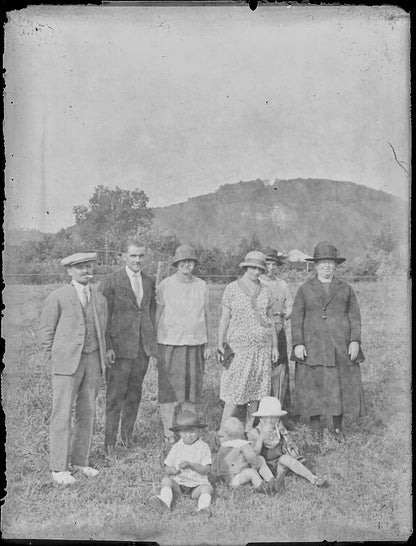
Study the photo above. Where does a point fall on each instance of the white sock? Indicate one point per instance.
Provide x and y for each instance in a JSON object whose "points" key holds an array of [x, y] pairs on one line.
{"points": [[166, 495], [204, 501]]}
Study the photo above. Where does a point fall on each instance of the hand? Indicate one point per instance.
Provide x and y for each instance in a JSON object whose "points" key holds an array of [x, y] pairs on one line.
{"points": [[353, 350], [207, 352], [111, 358], [275, 354], [300, 352], [184, 464]]}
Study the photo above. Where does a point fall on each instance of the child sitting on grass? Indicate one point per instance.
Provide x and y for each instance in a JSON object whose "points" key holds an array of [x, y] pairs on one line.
{"points": [[270, 439], [238, 463], [187, 467]]}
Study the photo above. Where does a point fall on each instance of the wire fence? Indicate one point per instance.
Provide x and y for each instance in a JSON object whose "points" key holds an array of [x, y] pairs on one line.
{"points": [[54, 278]]}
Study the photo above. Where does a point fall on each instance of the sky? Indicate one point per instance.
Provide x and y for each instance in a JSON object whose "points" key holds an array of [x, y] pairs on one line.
{"points": [[177, 101]]}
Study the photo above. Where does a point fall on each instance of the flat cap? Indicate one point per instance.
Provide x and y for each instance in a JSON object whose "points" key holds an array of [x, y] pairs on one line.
{"points": [[79, 258]]}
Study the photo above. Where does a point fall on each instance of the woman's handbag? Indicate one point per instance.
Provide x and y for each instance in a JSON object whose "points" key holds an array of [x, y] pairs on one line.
{"points": [[226, 357]]}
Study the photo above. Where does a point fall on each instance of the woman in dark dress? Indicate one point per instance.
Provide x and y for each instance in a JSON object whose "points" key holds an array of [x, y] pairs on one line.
{"points": [[326, 340]]}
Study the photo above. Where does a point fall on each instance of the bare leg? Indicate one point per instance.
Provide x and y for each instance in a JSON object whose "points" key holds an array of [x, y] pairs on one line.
{"points": [[228, 411], [248, 475], [167, 412], [296, 467]]}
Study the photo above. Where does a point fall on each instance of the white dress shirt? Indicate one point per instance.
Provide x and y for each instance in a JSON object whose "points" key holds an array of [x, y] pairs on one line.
{"points": [[130, 274], [80, 291]]}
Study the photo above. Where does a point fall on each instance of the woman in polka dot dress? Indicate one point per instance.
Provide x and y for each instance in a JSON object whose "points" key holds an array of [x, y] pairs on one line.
{"points": [[245, 324]]}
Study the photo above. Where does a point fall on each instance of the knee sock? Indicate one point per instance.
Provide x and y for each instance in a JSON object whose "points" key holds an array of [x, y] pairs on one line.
{"points": [[337, 421], [315, 422], [166, 495], [204, 501]]}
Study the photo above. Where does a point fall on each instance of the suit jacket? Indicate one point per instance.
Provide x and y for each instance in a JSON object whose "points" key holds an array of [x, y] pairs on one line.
{"points": [[326, 323], [128, 324], [62, 328]]}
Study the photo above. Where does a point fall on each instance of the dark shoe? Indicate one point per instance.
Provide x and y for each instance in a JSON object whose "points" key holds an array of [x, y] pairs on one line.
{"points": [[158, 504], [110, 453], [338, 435], [280, 484], [320, 482], [317, 436]]}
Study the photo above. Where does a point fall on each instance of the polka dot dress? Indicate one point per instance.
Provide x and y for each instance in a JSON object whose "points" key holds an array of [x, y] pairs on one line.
{"points": [[248, 377]]}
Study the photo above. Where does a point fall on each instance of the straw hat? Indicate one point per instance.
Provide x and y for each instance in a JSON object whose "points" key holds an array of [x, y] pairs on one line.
{"points": [[187, 420], [255, 258], [270, 406], [232, 429], [79, 258], [184, 252], [325, 251]]}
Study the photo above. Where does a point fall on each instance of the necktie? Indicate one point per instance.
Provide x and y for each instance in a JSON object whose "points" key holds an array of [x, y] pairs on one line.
{"points": [[84, 297], [137, 289]]}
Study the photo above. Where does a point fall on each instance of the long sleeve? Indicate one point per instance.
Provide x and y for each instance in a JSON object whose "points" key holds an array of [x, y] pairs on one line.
{"points": [[106, 289], [298, 315], [354, 316], [47, 328]]}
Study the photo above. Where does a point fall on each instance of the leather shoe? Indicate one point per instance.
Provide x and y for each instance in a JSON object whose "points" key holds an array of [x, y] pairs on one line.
{"points": [[110, 453]]}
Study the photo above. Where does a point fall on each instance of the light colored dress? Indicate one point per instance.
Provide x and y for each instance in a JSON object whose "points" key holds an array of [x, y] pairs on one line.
{"points": [[248, 377]]}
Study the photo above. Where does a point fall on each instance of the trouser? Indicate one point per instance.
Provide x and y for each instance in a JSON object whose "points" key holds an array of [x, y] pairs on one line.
{"points": [[124, 392], [66, 445]]}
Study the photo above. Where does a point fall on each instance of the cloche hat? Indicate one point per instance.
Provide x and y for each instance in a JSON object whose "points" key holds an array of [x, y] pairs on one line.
{"points": [[79, 258], [273, 255], [232, 429], [325, 251], [186, 420], [184, 252], [270, 406], [255, 258]]}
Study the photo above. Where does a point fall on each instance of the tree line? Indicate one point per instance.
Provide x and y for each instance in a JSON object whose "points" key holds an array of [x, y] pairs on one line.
{"points": [[114, 214]]}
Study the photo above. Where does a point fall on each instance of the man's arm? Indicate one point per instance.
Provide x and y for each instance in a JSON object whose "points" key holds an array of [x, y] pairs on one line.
{"points": [[47, 327], [106, 288]]}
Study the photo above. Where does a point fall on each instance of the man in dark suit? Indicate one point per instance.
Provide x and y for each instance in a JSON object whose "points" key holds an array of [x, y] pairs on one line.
{"points": [[72, 339], [130, 341]]}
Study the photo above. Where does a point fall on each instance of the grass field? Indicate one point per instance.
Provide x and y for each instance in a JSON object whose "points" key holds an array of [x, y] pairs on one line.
{"points": [[369, 497]]}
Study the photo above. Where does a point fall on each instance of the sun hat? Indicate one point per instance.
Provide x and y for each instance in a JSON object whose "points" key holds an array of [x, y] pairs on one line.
{"points": [[187, 420], [255, 258], [184, 252], [232, 429], [273, 255], [270, 406], [79, 258], [325, 251]]}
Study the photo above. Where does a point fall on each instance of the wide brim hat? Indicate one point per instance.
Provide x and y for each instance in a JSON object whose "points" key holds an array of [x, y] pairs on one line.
{"points": [[232, 429], [325, 251], [187, 420], [270, 406], [79, 258], [184, 252], [273, 255], [255, 258]]}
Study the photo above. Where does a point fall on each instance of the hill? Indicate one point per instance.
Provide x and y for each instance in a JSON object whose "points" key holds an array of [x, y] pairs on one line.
{"points": [[287, 214]]}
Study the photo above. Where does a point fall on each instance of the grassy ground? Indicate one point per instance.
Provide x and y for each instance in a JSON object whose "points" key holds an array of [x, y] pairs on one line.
{"points": [[370, 476]]}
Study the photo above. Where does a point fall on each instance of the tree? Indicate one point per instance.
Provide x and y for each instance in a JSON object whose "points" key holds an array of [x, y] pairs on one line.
{"points": [[111, 216]]}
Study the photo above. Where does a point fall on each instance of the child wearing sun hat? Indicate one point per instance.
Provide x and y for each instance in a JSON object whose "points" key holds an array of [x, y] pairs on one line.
{"points": [[186, 467], [270, 440], [238, 463]]}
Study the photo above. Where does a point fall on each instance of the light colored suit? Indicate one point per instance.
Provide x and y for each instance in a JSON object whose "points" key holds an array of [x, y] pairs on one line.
{"points": [[76, 375]]}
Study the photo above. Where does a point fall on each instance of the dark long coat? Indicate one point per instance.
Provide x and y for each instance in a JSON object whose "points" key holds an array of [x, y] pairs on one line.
{"points": [[327, 382], [128, 324]]}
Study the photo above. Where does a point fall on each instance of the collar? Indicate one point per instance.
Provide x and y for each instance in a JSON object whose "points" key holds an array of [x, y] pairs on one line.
{"points": [[130, 273], [80, 287]]}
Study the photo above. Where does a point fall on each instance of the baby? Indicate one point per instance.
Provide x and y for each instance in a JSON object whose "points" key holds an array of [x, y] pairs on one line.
{"points": [[238, 463], [187, 467], [270, 439]]}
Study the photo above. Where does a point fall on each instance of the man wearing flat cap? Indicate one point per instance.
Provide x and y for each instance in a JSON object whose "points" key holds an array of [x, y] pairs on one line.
{"points": [[72, 339]]}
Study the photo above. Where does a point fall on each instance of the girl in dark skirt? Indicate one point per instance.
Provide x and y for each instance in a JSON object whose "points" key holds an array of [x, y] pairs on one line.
{"points": [[182, 333], [326, 338]]}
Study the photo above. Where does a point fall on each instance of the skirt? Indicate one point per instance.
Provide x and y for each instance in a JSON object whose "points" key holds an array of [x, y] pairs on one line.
{"points": [[180, 373], [329, 390]]}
